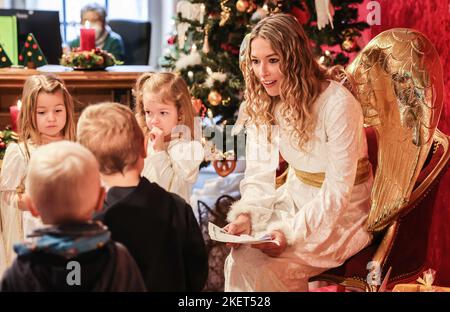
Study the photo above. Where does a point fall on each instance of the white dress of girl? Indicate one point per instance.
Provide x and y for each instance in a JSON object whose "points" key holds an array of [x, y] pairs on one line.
{"points": [[176, 170], [16, 224]]}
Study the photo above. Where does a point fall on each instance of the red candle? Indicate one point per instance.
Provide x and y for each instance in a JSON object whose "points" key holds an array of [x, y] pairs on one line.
{"points": [[87, 39], [14, 112]]}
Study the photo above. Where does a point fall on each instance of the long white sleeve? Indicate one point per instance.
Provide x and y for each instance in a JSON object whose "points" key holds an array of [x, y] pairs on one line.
{"points": [[323, 220], [258, 186], [176, 170]]}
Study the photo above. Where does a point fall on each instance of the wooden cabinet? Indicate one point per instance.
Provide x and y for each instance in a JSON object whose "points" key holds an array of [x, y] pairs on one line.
{"points": [[86, 87]]}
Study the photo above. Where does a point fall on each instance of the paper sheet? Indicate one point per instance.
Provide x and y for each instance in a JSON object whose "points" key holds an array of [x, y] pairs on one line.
{"points": [[218, 234]]}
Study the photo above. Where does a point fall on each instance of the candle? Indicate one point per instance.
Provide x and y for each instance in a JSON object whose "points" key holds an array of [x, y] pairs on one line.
{"points": [[14, 113], [87, 38], [202, 13]]}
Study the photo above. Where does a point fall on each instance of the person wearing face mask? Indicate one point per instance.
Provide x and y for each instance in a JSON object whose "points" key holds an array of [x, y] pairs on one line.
{"points": [[105, 38]]}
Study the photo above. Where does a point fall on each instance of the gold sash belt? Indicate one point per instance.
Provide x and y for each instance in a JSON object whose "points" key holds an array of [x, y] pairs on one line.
{"points": [[316, 178]]}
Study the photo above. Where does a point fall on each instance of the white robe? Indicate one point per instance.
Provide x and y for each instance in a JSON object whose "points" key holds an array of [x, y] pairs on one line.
{"points": [[323, 226], [176, 170], [16, 224]]}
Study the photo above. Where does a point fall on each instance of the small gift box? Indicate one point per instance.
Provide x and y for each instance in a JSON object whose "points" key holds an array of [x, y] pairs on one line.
{"points": [[425, 284]]}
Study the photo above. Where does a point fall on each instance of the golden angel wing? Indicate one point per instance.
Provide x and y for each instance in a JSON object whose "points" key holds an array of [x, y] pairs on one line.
{"points": [[399, 83]]}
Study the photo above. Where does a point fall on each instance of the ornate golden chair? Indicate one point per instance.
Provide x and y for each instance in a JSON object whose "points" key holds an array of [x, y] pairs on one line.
{"points": [[399, 83], [403, 244]]}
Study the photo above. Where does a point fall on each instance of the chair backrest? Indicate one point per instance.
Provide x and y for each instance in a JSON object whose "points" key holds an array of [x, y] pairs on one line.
{"points": [[407, 253], [404, 244], [136, 37]]}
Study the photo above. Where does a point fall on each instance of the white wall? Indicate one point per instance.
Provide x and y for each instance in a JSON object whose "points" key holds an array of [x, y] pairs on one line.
{"points": [[161, 13], [5, 4]]}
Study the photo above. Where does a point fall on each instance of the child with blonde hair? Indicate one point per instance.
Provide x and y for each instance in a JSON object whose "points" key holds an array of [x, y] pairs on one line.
{"points": [[158, 228], [165, 113], [46, 115], [63, 187]]}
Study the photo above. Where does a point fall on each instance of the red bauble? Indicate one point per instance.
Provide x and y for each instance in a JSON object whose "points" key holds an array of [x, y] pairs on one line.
{"points": [[302, 16], [35, 46], [171, 40], [20, 57], [27, 45]]}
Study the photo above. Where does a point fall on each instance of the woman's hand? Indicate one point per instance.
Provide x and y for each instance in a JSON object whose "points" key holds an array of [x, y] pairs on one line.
{"points": [[242, 225], [157, 138], [272, 249]]}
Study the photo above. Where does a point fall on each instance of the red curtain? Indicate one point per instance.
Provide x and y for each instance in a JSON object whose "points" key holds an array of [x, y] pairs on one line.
{"points": [[432, 18]]}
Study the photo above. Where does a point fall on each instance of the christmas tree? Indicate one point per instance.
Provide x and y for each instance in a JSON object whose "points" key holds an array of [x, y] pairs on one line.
{"points": [[31, 55], [205, 48], [205, 51], [4, 59]]}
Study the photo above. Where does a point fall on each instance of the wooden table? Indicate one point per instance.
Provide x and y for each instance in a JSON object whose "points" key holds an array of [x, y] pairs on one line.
{"points": [[86, 87]]}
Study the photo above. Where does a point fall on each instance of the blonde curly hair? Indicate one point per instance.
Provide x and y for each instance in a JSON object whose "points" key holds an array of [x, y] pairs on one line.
{"points": [[302, 83], [173, 89]]}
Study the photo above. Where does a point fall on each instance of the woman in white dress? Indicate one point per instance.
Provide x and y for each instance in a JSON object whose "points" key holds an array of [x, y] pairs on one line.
{"points": [[297, 109]]}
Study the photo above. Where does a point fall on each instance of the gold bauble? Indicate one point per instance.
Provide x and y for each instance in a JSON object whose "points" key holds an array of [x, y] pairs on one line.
{"points": [[214, 98], [242, 5], [349, 45]]}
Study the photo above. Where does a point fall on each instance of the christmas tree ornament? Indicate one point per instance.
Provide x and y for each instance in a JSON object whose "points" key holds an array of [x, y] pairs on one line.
{"points": [[325, 13], [172, 39], [4, 59], [326, 59], [191, 11], [225, 13], [224, 167], [181, 34], [214, 98], [191, 75], [349, 45], [197, 104], [252, 7], [226, 102], [205, 48], [242, 5], [302, 14], [31, 55], [202, 13]]}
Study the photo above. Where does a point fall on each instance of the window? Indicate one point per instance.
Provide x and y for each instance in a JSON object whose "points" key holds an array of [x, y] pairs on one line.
{"points": [[69, 11]]}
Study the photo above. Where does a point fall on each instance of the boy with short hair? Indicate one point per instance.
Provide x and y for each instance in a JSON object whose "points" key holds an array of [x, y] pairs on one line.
{"points": [[158, 228], [73, 253]]}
